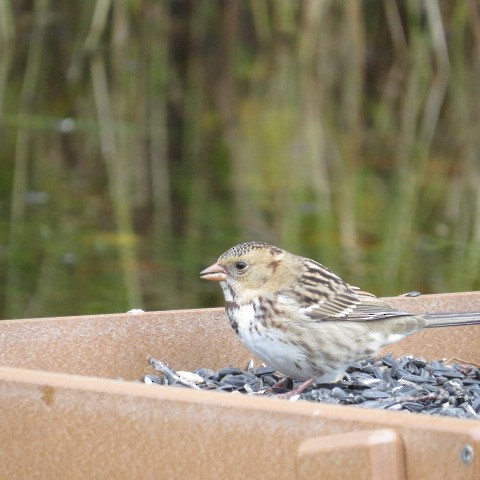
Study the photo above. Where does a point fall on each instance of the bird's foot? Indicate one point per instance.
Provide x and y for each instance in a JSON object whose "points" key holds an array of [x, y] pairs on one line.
{"points": [[296, 391]]}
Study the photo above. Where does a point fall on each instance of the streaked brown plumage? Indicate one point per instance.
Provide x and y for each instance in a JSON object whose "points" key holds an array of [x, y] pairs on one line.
{"points": [[301, 318]]}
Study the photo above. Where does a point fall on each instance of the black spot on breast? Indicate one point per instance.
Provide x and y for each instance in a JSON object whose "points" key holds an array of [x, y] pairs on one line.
{"points": [[260, 311], [234, 324], [231, 291], [231, 306]]}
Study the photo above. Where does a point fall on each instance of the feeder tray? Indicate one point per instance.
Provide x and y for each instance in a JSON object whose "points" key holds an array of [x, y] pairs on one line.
{"points": [[71, 406]]}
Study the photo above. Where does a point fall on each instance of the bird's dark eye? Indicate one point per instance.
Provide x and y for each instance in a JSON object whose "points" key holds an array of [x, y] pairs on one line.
{"points": [[240, 266]]}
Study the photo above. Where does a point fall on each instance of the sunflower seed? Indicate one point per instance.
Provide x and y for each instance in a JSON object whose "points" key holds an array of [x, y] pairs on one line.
{"points": [[408, 384]]}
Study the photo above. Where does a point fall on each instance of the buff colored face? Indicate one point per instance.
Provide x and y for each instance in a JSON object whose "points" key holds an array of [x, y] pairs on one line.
{"points": [[254, 269]]}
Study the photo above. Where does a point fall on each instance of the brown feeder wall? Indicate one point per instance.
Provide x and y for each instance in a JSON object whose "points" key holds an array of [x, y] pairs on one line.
{"points": [[63, 414]]}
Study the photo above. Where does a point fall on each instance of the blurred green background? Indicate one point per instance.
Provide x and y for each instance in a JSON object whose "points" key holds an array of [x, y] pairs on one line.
{"points": [[140, 139]]}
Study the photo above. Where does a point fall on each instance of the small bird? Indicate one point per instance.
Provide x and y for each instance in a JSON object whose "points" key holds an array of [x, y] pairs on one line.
{"points": [[304, 320]]}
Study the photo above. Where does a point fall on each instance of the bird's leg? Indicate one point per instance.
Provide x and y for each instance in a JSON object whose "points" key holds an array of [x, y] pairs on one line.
{"points": [[282, 383], [297, 390], [330, 377]]}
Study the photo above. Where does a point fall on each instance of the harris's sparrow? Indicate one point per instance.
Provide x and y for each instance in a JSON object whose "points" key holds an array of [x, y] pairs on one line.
{"points": [[301, 318]]}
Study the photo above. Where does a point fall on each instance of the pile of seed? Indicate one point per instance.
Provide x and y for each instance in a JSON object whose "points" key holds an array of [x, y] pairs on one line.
{"points": [[407, 383]]}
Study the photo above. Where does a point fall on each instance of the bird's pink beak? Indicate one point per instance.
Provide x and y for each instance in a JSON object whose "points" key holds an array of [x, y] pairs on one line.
{"points": [[214, 273]]}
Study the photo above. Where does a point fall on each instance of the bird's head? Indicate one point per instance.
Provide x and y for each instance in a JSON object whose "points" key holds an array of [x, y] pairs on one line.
{"points": [[250, 267]]}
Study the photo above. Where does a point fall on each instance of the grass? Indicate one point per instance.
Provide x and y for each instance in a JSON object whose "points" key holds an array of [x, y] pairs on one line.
{"points": [[345, 131]]}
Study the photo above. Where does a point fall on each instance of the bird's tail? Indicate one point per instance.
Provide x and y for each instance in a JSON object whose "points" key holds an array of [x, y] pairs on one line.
{"points": [[457, 319]]}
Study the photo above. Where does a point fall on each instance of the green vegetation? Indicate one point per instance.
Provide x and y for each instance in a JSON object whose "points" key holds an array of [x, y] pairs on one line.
{"points": [[141, 139]]}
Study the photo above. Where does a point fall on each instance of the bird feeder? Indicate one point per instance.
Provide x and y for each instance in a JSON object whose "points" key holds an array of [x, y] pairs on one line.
{"points": [[71, 406]]}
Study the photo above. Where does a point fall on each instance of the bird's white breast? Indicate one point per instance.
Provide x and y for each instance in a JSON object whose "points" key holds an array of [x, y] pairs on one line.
{"points": [[268, 343]]}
